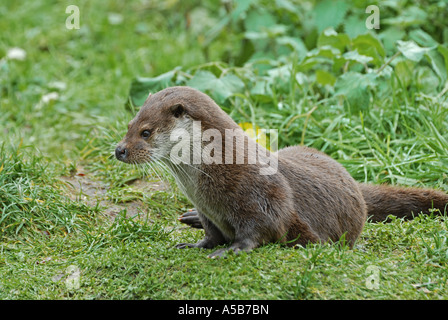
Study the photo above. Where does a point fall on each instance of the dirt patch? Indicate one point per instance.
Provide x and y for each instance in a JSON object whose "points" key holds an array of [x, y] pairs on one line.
{"points": [[83, 187]]}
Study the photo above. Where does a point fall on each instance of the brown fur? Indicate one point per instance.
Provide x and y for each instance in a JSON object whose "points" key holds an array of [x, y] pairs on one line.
{"points": [[311, 197], [403, 202]]}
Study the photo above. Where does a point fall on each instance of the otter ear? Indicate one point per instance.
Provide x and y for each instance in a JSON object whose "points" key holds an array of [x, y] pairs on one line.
{"points": [[149, 96], [177, 110]]}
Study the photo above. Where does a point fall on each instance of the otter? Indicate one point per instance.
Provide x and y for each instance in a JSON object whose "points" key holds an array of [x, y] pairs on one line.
{"points": [[296, 196]]}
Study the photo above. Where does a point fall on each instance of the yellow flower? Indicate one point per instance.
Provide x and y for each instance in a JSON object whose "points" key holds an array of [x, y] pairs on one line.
{"points": [[257, 134]]}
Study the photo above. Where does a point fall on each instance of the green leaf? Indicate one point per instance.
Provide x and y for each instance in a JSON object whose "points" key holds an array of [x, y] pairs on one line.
{"points": [[354, 26], [295, 44], [427, 81], [329, 37], [324, 51], [232, 82], [141, 87], [325, 78], [202, 80], [355, 56], [355, 88], [410, 16], [259, 20], [411, 50], [261, 90], [368, 45], [219, 88], [438, 64], [422, 38], [389, 38], [329, 13]]}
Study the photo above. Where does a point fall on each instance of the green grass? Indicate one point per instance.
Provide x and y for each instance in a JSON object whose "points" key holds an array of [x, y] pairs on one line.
{"points": [[409, 258], [48, 223]]}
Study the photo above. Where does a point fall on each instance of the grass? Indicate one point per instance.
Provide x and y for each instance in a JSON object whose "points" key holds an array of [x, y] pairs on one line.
{"points": [[410, 263], [48, 224]]}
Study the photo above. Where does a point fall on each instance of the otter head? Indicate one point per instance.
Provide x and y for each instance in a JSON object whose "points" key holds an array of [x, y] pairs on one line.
{"points": [[148, 136], [149, 133]]}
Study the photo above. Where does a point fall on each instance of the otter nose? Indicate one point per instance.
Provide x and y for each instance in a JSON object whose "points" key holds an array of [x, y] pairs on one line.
{"points": [[121, 153]]}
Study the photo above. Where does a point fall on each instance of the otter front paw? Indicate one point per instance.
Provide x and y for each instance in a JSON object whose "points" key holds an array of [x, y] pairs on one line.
{"points": [[204, 244], [191, 218], [186, 245]]}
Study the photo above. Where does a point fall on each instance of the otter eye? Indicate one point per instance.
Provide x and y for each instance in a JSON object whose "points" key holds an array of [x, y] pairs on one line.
{"points": [[145, 134]]}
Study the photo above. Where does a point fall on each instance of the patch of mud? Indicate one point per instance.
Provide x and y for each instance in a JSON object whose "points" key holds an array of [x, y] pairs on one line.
{"points": [[82, 187]]}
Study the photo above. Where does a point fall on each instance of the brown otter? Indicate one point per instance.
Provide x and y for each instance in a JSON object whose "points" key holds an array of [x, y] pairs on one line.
{"points": [[307, 197]]}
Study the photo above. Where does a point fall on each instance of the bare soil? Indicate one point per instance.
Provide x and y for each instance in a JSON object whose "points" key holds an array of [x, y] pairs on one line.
{"points": [[83, 186]]}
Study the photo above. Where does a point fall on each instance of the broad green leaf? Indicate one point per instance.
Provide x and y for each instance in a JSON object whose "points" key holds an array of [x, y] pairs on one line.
{"points": [[427, 80], [261, 89], [323, 55], [325, 78], [313, 61], [232, 82], [410, 16], [329, 37], [355, 56], [354, 87], [422, 38], [329, 13], [354, 26], [324, 51], [438, 64], [259, 20], [369, 45], [389, 38], [219, 88], [295, 43], [411, 50], [141, 87], [202, 80]]}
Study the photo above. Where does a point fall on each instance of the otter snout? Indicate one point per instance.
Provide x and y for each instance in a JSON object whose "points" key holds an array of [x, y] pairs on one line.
{"points": [[121, 153]]}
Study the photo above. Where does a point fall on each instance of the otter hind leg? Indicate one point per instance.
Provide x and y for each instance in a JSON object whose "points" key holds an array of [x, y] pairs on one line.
{"points": [[235, 247]]}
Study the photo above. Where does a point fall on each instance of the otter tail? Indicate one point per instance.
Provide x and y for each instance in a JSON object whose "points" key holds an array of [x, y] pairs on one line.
{"points": [[402, 202]]}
